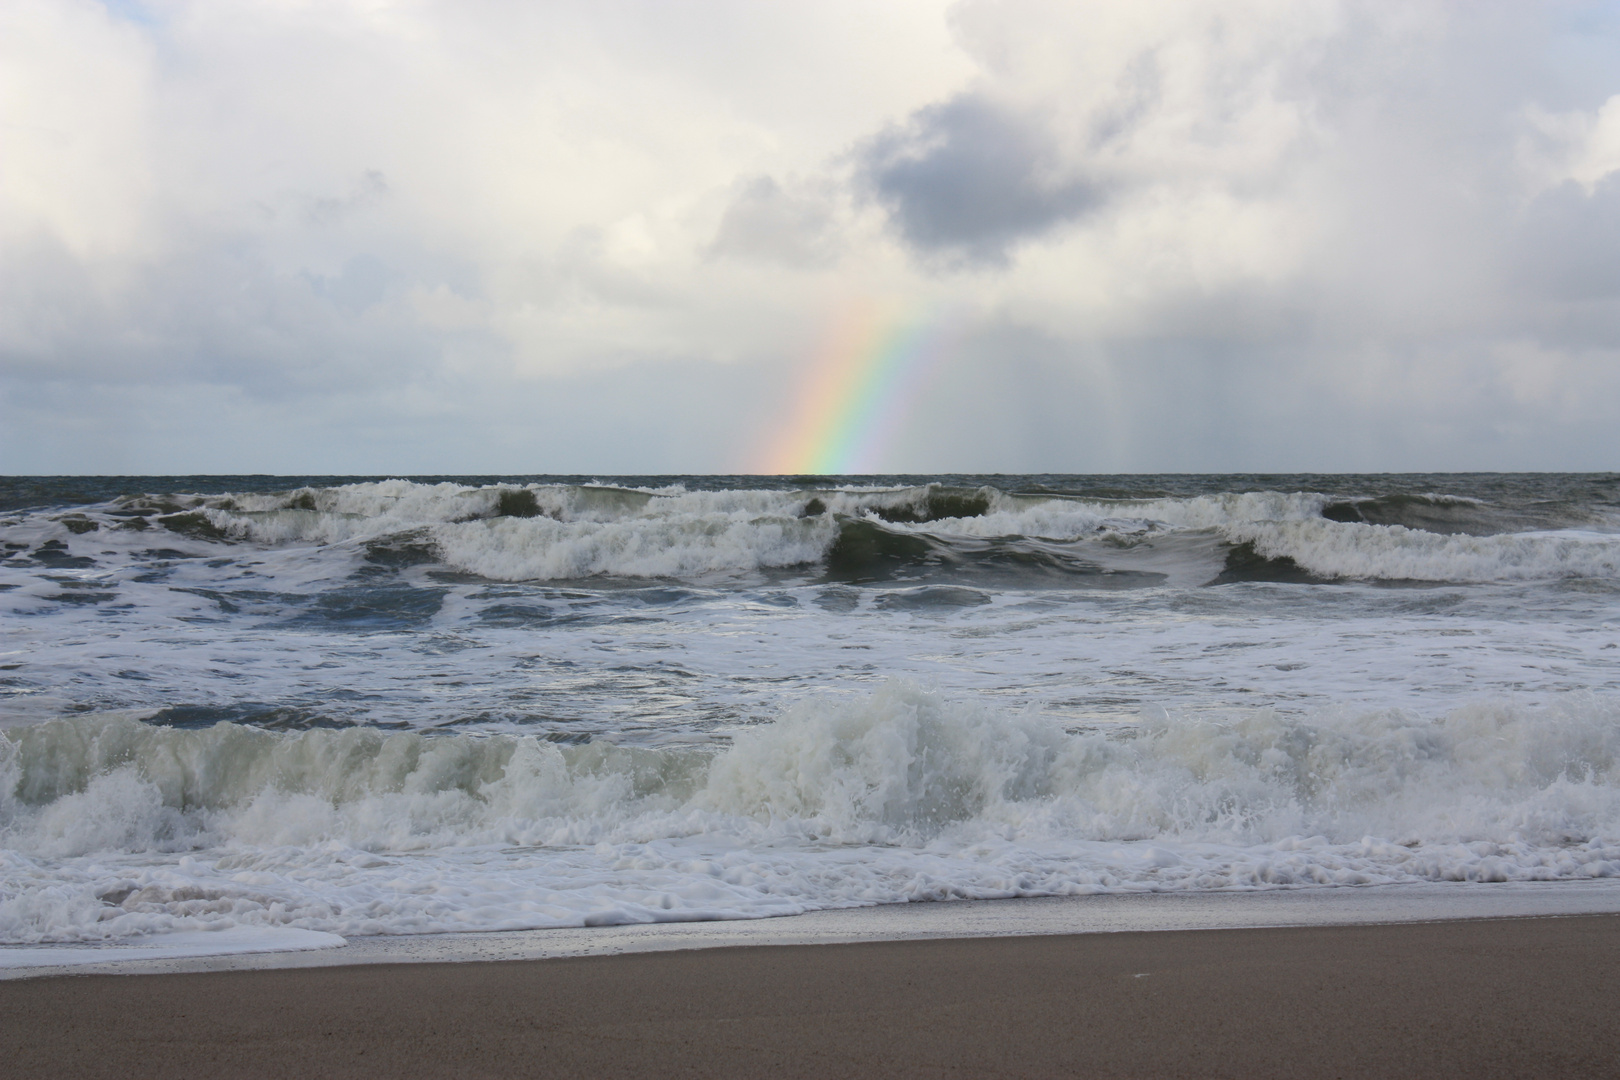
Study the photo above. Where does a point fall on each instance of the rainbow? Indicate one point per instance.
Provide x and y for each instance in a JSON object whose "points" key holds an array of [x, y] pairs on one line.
{"points": [[858, 390]]}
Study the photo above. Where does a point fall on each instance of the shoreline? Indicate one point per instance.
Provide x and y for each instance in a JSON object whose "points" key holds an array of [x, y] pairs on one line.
{"points": [[1481, 997], [1100, 913]]}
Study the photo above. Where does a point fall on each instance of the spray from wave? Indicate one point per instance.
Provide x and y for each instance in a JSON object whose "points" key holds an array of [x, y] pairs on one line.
{"points": [[552, 532], [114, 827]]}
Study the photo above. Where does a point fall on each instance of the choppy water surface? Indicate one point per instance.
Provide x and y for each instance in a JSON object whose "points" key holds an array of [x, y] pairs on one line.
{"points": [[394, 706]]}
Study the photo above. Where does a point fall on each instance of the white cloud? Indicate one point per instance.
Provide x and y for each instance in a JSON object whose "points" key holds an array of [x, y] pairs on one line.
{"points": [[1581, 145], [483, 209]]}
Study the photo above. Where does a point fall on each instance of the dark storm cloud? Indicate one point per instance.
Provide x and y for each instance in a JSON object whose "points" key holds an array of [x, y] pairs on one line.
{"points": [[969, 179]]}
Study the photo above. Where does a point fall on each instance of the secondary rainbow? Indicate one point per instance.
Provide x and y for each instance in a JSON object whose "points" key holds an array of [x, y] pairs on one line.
{"points": [[859, 389]]}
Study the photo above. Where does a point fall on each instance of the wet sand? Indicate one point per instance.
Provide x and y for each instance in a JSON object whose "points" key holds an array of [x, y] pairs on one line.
{"points": [[1481, 998]]}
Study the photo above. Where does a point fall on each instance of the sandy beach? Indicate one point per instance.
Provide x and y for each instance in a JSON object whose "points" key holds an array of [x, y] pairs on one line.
{"points": [[1511, 997]]}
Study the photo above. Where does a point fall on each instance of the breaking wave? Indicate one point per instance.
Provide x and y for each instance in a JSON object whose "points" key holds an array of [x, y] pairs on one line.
{"points": [[112, 826], [554, 532]]}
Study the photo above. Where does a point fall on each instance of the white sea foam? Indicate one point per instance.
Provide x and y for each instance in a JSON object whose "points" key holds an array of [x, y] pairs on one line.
{"points": [[1075, 519], [590, 532], [1393, 552], [517, 549], [1290, 526], [180, 945], [1029, 611], [550, 532], [571, 532], [112, 827]]}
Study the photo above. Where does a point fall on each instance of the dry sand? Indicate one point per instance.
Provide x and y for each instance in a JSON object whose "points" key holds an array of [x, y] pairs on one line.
{"points": [[1479, 998]]}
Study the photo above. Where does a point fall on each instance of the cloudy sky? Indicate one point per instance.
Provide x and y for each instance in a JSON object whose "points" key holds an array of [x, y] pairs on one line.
{"points": [[616, 236]]}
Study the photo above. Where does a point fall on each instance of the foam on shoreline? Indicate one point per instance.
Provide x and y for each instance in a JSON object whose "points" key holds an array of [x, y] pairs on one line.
{"points": [[1104, 913]]}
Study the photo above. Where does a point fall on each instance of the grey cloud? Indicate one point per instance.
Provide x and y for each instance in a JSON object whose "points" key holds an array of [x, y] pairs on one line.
{"points": [[1382, 299], [215, 311], [765, 223], [969, 179], [364, 281], [1034, 402], [368, 190], [1568, 242], [682, 416]]}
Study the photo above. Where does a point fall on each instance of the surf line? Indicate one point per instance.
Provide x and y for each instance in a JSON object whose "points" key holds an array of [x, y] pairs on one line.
{"points": [[858, 390]]}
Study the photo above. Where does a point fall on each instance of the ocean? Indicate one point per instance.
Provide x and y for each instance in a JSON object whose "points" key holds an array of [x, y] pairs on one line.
{"points": [[382, 706]]}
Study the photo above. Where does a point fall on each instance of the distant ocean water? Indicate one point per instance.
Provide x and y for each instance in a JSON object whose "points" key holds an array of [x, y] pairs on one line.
{"points": [[383, 706]]}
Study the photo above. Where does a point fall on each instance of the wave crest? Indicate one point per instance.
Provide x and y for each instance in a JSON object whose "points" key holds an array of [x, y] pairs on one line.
{"points": [[112, 827], [560, 531], [900, 766]]}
